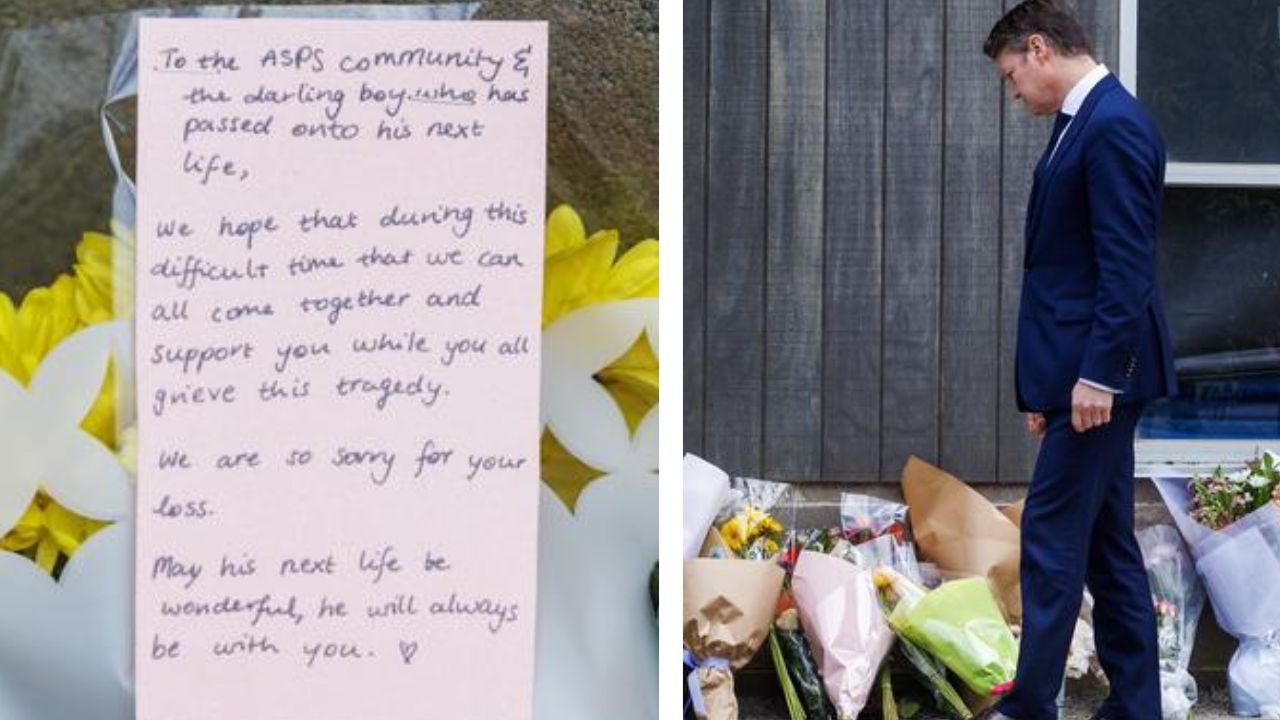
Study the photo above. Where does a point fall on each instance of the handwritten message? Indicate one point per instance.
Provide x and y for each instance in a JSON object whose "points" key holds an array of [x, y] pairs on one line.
{"points": [[339, 269]]}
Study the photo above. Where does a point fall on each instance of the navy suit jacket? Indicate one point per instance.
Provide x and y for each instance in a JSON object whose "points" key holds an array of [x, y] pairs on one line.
{"points": [[1090, 307]]}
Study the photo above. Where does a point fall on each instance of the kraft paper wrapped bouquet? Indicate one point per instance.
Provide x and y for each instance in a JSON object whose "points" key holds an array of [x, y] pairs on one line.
{"points": [[729, 606], [962, 532], [731, 594]]}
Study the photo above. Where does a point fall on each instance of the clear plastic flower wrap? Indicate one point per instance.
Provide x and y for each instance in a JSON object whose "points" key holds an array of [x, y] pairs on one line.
{"points": [[1178, 597], [864, 517], [756, 517]]}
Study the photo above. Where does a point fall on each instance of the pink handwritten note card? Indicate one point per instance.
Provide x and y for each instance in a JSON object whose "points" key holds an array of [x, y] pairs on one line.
{"points": [[339, 282]]}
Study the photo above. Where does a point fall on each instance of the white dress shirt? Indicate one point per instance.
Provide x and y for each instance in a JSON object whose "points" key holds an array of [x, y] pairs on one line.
{"points": [[1075, 98]]}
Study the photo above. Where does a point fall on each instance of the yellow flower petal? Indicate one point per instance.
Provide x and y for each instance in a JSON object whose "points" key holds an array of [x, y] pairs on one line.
{"points": [[565, 230], [69, 530], [635, 275], [571, 276], [100, 421], [93, 277], [27, 532], [566, 475], [634, 374], [47, 554], [128, 452]]}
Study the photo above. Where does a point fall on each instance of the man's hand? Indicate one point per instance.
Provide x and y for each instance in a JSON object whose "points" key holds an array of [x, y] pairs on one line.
{"points": [[1035, 423], [1090, 407]]}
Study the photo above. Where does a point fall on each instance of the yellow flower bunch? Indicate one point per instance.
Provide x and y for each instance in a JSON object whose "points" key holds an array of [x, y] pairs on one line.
{"points": [[28, 332], [581, 271], [752, 532]]}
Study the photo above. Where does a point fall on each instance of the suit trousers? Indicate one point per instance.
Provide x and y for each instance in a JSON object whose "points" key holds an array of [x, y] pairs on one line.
{"points": [[1077, 529]]}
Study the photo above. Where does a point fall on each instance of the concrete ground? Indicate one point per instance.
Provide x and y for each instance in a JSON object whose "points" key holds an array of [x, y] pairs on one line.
{"points": [[760, 700]]}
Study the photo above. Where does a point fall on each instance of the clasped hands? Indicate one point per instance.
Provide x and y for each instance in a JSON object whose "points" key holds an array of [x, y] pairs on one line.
{"points": [[1090, 408]]}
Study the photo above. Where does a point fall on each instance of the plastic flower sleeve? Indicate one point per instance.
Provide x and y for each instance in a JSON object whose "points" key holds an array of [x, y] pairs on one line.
{"points": [[1252, 677], [959, 623], [1178, 597], [864, 518], [846, 629], [756, 516], [1245, 554], [705, 489]]}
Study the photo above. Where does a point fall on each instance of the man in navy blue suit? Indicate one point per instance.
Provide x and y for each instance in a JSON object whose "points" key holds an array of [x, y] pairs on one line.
{"points": [[1092, 347]]}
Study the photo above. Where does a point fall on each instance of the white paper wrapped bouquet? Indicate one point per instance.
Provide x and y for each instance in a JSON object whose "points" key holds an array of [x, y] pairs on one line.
{"points": [[1230, 521]]}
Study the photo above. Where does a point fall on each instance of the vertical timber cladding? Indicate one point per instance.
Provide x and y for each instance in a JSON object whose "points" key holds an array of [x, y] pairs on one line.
{"points": [[855, 189], [696, 59]]}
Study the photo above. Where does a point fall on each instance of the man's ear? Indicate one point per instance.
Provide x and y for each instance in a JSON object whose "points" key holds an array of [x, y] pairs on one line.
{"points": [[1038, 48]]}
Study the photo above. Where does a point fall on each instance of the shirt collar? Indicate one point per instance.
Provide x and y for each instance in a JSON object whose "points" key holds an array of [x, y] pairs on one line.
{"points": [[1075, 98]]}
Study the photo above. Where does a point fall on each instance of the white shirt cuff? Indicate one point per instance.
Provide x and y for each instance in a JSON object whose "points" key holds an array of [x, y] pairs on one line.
{"points": [[1100, 386]]}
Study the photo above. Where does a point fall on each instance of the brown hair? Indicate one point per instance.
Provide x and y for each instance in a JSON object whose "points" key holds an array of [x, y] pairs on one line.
{"points": [[1054, 20]]}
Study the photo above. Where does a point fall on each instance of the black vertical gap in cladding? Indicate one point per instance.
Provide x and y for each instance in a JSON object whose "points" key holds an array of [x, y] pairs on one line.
{"points": [[1001, 391], [884, 204], [942, 237], [706, 196], [764, 246], [822, 299]]}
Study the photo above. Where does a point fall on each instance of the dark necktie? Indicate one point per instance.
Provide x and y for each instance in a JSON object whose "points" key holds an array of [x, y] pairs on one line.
{"points": [[1059, 124]]}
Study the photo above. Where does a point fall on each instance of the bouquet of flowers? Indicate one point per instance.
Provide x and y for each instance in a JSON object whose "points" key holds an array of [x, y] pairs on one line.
{"points": [[1178, 597], [797, 670], [752, 522], [959, 623], [1223, 498], [962, 532], [1232, 529], [728, 610], [878, 530], [730, 598], [864, 518], [850, 638]]}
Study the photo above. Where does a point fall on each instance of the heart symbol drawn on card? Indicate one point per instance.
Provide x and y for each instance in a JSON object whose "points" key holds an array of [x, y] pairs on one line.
{"points": [[408, 650]]}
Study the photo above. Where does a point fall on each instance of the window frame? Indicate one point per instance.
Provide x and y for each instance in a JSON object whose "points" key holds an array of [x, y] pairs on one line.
{"points": [[1155, 457], [1193, 174]]}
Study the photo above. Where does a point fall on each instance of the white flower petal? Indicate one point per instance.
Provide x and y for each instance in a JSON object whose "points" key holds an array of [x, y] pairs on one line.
{"points": [[645, 442], [67, 382], [588, 423], [86, 477], [587, 340], [597, 639], [18, 479], [67, 647]]}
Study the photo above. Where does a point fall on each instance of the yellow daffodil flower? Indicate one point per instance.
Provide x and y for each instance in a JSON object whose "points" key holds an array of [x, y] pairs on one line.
{"points": [[581, 271], [27, 333]]}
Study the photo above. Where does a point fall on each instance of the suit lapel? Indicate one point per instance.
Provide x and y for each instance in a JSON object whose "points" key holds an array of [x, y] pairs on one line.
{"points": [[1046, 170]]}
